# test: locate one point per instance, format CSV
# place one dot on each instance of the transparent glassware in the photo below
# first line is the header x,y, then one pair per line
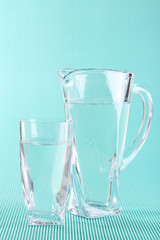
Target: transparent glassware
x,y
45,163
98,101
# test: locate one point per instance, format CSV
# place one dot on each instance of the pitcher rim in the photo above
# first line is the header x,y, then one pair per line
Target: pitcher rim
x,y
71,70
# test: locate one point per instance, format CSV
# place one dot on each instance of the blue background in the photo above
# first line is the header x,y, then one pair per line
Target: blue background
x,y
38,37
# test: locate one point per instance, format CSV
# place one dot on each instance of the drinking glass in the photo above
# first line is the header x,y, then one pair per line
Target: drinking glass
x,y
45,163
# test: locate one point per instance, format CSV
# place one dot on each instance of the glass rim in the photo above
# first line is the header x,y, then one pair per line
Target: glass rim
x,y
44,121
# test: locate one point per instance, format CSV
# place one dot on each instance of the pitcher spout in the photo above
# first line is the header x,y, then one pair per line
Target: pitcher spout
x,y
63,73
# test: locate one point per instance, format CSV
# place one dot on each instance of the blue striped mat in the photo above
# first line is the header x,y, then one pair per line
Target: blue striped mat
x,y
140,218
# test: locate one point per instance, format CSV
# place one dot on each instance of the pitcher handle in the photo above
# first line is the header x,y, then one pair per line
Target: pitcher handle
x,y
142,134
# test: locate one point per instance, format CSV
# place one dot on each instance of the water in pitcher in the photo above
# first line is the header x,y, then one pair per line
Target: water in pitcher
x,y
100,133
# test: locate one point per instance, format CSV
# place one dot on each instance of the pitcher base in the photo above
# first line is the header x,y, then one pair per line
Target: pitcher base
x,y
94,211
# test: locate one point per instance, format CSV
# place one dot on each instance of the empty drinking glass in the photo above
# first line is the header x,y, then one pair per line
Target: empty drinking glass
x,y
46,156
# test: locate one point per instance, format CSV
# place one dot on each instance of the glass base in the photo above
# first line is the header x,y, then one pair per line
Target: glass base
x,y
37,218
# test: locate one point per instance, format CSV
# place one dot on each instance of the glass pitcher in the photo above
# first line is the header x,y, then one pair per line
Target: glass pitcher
x,y
98,101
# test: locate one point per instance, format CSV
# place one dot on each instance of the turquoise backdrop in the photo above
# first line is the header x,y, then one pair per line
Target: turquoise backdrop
x,y
38,37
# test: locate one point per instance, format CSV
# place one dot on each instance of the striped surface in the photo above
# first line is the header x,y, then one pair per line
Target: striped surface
x,y
139,219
